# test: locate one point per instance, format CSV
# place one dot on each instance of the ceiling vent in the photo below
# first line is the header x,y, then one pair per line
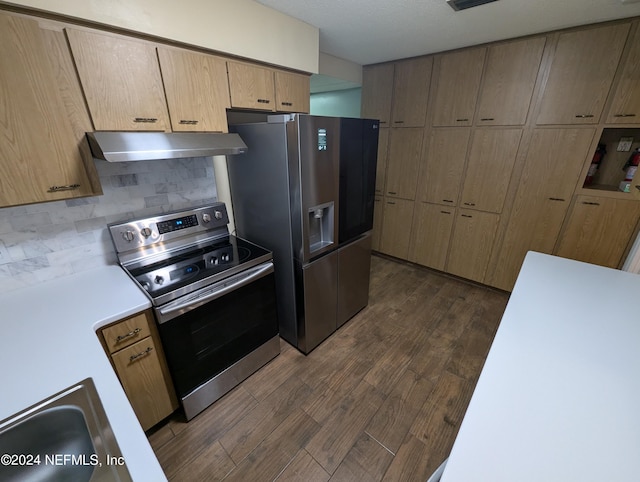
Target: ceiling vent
x,y
464,4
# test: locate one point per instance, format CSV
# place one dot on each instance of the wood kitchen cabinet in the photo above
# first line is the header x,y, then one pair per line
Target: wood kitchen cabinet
x,y
508,81
598,230
432,225
471,244
136,354
625,106
381,162
396,227
489,167
442,165
196,88
405,146
582,70
43,153
251,86
121,81
292,92
457,78
552,167
378,207
377,89
411,92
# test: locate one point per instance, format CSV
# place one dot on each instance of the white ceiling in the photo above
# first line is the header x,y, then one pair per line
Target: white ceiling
x,y
371,31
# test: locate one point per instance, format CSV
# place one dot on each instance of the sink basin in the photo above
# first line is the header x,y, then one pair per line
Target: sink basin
x,y
65,437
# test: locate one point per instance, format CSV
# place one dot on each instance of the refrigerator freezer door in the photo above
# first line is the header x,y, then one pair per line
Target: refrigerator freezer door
x,y
320,301
354,265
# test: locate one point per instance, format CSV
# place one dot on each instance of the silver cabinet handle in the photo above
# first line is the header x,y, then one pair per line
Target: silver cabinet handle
x,y
466,216
138,355
462,120
590,203
263,101
487,119
556,199
447,200
469,204
119,338
584,116
188,122
624,115
398,122
445,212
68,187
288,104
391,192
145,120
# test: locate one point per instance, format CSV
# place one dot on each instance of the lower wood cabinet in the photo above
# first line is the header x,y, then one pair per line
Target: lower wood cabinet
x,y
471,244
138,359
396,229
598,230
378,207
431,234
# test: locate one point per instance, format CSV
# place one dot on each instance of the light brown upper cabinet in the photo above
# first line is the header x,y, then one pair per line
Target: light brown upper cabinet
x,y
411,92
377,88
403,162
471,244
121,81
196,88
491,160
508,82
625,108
442,165
457,80
43,153
381,163
292,92
598,230
582,70
553,164
251,87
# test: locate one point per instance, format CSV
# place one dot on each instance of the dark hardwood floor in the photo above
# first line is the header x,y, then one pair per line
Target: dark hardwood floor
x,y
381,399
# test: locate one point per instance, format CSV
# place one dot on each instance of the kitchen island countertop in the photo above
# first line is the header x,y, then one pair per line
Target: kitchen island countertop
x,y
48,342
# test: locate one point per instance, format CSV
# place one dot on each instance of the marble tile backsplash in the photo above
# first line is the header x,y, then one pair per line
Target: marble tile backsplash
x,y
40,242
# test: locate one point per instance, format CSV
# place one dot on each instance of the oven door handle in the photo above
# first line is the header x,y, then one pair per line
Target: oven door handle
x,y
212,293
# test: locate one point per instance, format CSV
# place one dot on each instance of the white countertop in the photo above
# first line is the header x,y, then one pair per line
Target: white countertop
x,y
48,343
558,398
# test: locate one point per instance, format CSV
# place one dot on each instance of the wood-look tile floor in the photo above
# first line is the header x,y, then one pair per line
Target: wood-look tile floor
x,y
381,399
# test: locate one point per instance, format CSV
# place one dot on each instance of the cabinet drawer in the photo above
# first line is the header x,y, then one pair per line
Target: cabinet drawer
x,y
140,371
126,332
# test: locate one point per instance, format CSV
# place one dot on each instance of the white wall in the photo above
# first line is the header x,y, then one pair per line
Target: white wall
x,y
239,27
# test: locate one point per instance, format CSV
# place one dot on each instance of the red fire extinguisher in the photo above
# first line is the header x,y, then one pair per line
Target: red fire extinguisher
x,y
595,163
632,165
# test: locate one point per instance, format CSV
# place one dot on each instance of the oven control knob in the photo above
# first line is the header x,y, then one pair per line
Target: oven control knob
x,y
159,280
206,217
218,214
128,236
146,232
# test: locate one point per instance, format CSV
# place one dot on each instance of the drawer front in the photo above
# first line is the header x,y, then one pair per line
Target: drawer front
x,y
126,332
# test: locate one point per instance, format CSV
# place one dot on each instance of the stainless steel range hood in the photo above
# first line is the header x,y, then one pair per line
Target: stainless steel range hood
x,y
145,146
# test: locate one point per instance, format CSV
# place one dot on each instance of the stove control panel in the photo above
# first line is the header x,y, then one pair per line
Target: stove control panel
x,y
146,232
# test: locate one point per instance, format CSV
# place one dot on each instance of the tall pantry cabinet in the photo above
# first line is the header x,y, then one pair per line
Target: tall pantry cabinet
x,y
509,133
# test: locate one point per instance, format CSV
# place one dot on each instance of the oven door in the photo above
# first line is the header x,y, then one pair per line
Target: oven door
x,y
206,332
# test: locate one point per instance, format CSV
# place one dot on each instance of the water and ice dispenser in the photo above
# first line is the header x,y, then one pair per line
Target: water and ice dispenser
x,y
320,223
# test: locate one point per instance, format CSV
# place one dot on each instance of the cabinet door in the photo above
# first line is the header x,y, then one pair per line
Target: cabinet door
x,y
396,227
625,108
404,158
598,230
442,166
456,89
43,116
431,233
508,82
121,81
378,207
140,372
292,92
381,162
411,92
491,159
471,244
377,91
197,90
581,73
251,87
552,167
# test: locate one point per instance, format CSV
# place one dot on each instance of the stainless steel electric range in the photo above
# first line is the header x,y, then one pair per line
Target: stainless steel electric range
x,y
213,295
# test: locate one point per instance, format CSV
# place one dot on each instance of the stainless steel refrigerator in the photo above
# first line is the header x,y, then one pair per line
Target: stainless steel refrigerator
x,y
305,191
